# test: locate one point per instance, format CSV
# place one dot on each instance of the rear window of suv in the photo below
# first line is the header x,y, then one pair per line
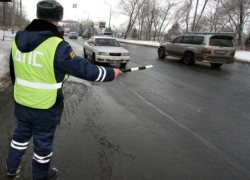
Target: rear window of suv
x,y
221,41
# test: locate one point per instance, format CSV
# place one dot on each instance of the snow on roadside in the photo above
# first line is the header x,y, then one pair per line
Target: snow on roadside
x,y
242,56
5,47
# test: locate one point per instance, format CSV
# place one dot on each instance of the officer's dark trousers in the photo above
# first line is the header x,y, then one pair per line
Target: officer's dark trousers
x,y
43,142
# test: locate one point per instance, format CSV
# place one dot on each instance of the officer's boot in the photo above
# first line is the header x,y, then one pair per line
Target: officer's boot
x,y
51,174
13,174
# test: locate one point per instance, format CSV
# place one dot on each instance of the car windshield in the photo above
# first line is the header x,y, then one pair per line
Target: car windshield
x,y
106,42
223,42
74,33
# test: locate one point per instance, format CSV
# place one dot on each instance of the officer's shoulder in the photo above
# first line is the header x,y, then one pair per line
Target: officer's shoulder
x,y
66,41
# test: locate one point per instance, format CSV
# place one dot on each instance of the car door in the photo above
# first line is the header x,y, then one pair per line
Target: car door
x,y
172,48
184,45
89,47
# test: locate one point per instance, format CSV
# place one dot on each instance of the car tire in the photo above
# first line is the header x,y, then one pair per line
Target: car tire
x,y
123,64
85,55
93,58
216,65
188,58
161,53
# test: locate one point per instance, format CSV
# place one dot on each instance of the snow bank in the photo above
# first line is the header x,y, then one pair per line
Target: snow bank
x,y
5,47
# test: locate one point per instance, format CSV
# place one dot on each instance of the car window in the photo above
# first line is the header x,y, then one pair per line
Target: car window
x,y
106,42
107,33
197,40
219,41
186,40
177,40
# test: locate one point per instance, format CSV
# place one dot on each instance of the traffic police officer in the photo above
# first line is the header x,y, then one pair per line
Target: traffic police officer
x,y
40,61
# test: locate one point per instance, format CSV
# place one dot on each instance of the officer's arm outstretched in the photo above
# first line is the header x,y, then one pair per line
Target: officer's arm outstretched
x,y
67,62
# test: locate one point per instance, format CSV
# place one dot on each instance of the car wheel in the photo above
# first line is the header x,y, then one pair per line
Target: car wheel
x,y
85,55
123,64
188,58
161,53
216,65
93,58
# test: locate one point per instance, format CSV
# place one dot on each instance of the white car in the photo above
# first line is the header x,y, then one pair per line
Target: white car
x,y
105,50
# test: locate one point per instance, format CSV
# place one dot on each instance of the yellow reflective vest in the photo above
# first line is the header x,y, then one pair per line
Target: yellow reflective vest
x,y
35,83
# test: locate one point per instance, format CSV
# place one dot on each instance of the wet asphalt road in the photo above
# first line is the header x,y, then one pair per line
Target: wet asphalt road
x,y
171,122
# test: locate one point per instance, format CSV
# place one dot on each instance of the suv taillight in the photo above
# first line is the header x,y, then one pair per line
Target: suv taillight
x,y
232,54
206,51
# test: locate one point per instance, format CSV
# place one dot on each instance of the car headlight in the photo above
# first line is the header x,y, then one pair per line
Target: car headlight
x,y
103,53
125,54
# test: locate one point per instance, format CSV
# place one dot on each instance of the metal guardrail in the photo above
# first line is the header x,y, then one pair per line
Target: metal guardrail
x,y
5,35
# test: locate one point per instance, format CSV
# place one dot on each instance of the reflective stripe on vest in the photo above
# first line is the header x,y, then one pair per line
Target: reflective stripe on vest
x,y
35,84
38,85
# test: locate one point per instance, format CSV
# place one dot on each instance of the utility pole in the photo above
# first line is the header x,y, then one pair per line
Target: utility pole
x,y
193,28
21,12
13,16
109,12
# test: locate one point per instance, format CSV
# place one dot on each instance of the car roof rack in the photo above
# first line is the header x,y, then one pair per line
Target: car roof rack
x,y
233,34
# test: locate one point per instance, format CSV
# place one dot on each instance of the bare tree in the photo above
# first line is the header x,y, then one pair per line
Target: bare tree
x,y
238,12
131,8
6,9
166,16
19,14
141,19
214,18
187,7
150,18
204,6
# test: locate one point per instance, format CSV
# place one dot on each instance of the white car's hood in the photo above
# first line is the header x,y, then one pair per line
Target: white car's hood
x,y
110,49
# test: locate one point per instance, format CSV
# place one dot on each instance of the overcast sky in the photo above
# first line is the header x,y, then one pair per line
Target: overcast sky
x,y
97,10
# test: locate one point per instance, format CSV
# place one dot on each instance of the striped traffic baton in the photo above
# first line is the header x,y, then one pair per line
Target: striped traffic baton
x,y
136,68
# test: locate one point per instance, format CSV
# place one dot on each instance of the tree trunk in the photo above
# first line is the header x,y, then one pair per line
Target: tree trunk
x,y
240,40
4,13
200,15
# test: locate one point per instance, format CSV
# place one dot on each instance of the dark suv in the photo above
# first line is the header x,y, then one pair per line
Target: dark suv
x,y
215,49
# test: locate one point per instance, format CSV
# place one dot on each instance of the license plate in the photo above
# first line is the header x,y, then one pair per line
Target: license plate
x,y
220,52
115,58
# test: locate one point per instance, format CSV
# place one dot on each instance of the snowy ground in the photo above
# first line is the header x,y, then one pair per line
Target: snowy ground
x,y
5,47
